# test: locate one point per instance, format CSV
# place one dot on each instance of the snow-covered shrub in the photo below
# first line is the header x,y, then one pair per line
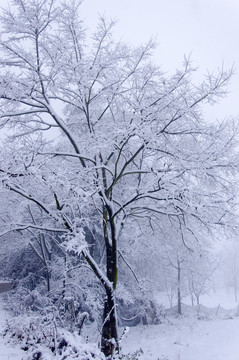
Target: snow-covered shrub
x,y
21,264
28,331
67,312
130,356
140,311
43,340
23,300
72,313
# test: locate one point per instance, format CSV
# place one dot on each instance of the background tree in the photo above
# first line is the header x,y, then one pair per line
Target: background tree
x,y
230,265
200,276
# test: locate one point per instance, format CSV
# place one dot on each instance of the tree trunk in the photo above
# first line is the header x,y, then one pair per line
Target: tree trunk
x,y
235,288
179,290
48,280
192,300
179,302
191,291
235,277
63,293
109,337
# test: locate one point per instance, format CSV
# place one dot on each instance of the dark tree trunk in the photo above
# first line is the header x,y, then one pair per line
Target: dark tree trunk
x,y
63,293
48,280
109,338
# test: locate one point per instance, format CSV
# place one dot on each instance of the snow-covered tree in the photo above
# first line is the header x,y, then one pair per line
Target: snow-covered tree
x,y
200,275
132,142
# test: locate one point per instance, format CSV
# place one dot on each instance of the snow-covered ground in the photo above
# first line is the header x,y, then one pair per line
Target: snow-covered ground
x,y
188,338
185,338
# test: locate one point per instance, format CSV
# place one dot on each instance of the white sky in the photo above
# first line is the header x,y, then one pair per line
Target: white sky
x,y
208,29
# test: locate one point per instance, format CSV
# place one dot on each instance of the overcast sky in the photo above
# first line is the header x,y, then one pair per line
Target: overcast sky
x,y
206,29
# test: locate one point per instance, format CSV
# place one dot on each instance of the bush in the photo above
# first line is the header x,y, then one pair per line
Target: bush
x,y
41,339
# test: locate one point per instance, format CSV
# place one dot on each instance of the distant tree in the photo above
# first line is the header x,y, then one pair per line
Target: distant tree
x,y
174,257
230,265
186,261
132,142
200,276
